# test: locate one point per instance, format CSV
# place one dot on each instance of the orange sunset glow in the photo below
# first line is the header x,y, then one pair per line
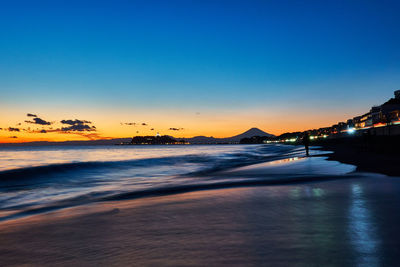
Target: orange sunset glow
x,y
174,124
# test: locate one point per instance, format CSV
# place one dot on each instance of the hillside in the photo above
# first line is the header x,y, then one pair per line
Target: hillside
x,y
233,139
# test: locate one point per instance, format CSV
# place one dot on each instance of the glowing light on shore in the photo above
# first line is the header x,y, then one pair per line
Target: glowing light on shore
x,y
381,124
351,130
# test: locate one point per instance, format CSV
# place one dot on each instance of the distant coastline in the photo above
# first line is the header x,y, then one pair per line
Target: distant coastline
x,y
383,120
197,140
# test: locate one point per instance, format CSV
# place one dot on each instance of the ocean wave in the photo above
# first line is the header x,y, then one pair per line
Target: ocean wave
x,y
28,172
22,211
212,163
52,186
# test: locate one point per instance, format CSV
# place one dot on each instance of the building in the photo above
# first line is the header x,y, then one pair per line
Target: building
x,y
376,115
350,123
397,94
342,126
383,119
366,120
357,122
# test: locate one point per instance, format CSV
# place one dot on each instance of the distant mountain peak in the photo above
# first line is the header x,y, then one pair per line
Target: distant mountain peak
x,y
250,133
255,130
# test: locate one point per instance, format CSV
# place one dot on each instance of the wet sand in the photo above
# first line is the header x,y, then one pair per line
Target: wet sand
x,y
344,222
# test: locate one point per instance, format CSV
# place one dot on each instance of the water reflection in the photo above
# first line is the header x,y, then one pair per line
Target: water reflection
x,y
277,162
362,229
306,191
297,166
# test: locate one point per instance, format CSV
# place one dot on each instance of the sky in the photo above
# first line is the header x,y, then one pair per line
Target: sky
x,y
109,69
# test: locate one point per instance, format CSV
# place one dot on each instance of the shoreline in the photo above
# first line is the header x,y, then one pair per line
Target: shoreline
x,y
378,156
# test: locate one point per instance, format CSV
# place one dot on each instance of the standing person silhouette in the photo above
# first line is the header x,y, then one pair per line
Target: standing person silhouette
x,y
306,142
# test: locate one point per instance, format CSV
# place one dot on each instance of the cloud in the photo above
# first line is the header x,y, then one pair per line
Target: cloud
x,y
13,136
72,126
74,122
67,130
79,128
39,121
134,123
175,129
152,129
11,129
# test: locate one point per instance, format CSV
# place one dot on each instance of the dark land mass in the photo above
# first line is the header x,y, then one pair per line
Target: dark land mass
x,y
378,154
155,140
228,140
193,140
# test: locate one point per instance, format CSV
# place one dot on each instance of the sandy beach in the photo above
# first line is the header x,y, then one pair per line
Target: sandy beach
x,y
344,222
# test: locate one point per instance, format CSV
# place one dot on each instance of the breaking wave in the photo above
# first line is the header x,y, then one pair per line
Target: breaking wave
x,y
30,190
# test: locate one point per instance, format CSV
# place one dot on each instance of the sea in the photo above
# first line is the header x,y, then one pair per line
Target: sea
x,y
40,179
193,205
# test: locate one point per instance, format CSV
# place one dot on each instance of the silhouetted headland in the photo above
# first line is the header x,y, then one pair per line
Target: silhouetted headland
x,y
155,140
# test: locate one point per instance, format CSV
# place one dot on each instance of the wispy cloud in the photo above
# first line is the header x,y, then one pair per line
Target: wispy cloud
x,y
91,136
31,115
75,122
11,129
134,123
79,128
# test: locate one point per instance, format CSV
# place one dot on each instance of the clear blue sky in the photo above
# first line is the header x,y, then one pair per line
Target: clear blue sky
x,y
197,55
